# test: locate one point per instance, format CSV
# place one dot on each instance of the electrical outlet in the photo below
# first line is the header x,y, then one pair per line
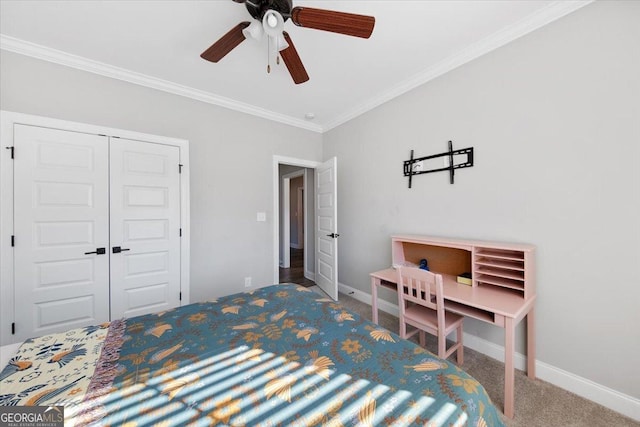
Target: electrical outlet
x,y
247,282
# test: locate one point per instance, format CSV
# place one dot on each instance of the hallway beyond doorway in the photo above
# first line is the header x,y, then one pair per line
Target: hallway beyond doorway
x,y
295,274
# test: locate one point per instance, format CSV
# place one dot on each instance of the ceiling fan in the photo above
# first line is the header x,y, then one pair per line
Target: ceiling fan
x,y
269,18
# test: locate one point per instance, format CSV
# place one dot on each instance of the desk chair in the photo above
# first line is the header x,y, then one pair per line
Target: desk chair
x,y
421,303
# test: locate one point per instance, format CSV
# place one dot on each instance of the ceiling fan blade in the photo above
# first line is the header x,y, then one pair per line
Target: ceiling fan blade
x,y
336,22
293,62
225,44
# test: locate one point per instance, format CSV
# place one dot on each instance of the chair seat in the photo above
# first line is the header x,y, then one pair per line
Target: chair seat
x,y
429,317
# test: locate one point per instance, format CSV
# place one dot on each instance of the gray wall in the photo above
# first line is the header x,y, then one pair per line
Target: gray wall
x,y
554,118
231,157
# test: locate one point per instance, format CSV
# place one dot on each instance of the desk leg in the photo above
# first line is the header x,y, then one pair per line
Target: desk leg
x,y
531,344
374,300
509,378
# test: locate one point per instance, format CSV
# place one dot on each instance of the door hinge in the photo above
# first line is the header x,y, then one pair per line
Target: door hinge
x,y
13,329
180,296
179,168
13,151
181,232
13,241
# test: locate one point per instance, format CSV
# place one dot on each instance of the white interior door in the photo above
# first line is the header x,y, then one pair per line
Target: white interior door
x,y
61,216
145,226
327,228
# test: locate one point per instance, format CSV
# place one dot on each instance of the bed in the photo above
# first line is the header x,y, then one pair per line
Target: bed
x,y
279,355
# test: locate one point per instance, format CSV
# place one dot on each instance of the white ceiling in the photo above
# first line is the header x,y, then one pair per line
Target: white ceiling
x,y
158,44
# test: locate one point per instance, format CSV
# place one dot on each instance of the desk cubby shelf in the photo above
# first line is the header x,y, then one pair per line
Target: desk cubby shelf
x,y
503,267
494,262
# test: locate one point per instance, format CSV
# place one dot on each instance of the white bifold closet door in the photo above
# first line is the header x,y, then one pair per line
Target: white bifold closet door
x,y
97,229
61,215
145,225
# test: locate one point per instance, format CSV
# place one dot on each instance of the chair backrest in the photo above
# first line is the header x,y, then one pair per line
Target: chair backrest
x,y
419,287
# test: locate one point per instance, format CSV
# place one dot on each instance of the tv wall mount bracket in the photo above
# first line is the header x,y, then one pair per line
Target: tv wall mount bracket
x,y
410,169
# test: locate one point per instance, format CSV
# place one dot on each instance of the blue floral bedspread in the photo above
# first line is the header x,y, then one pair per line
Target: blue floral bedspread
x,y
280,355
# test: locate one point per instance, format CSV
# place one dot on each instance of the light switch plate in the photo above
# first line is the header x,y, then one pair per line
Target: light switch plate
x,y
261,217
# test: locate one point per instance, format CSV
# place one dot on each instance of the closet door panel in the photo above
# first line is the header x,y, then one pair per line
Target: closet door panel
x,y
60,213
145,225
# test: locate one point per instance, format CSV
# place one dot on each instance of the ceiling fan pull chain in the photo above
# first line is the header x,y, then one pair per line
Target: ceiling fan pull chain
x,y
268,55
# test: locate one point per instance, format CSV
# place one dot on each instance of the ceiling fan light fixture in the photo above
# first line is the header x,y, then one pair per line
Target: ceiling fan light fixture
x,y
273,23
254,31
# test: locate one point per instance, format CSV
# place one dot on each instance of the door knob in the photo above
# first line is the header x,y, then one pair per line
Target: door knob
x,y
333,235
118,249
98,251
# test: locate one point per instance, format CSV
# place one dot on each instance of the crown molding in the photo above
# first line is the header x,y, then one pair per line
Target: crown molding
x,y
44,53
544,16
536,20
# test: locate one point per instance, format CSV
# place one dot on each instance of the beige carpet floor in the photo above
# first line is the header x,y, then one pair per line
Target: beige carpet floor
x,y
538,403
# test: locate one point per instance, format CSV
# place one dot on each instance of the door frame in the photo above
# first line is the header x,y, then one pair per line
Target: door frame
x,y
291,161
7,121
286,216
301,209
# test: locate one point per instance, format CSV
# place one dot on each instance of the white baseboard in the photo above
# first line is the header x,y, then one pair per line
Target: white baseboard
x,y
364,297
612,399
310,275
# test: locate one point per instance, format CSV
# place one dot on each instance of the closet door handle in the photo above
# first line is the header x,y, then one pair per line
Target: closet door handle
x,y
118,249
98,251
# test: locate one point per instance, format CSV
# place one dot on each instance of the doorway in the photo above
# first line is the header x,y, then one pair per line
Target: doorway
x,y
320,219
297,258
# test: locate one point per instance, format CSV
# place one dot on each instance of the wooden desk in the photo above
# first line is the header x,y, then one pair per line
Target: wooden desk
x,y
496,305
